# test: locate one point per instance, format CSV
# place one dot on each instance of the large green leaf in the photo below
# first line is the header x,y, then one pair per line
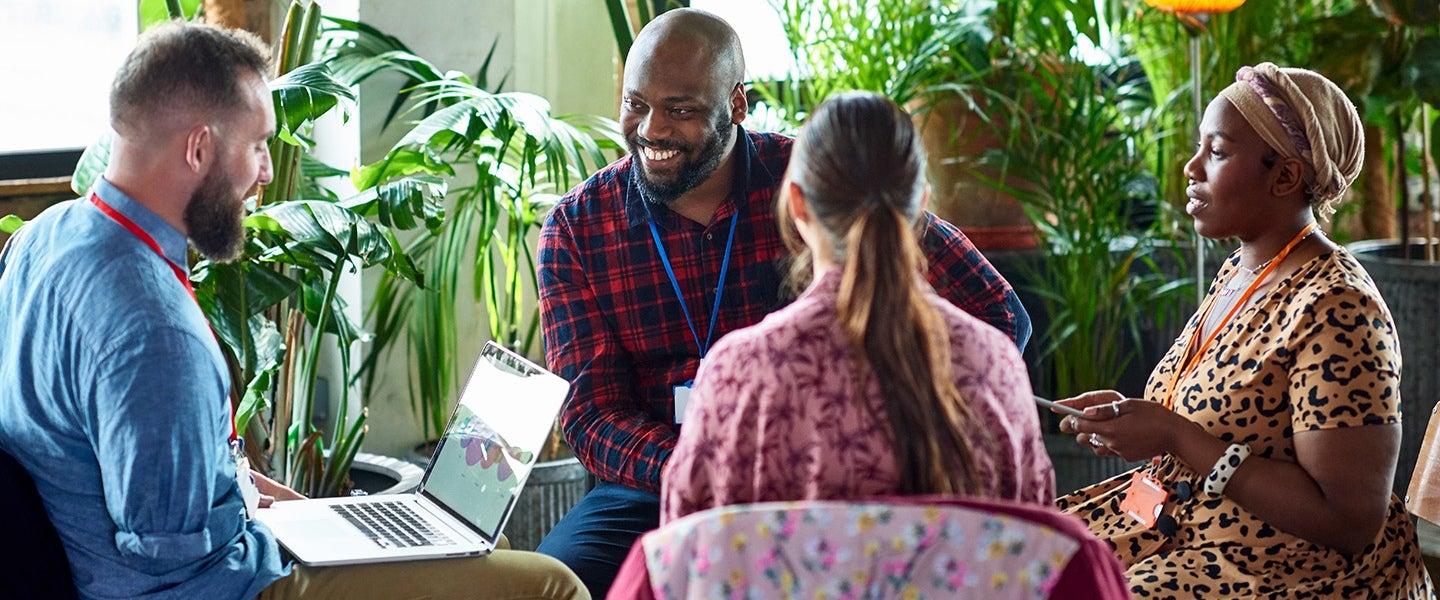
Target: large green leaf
x,y
1355,60
356,51
1421,69
1435,139
337,321
401,162
1414,13
92,163
234,295
620,26
306,93
260,287
475,113
404,202
320,233
269,351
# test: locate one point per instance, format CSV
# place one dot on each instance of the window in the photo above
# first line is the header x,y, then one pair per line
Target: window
x,y
60,59
762,38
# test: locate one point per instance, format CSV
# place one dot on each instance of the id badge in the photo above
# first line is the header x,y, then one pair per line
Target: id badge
x,y
682,400
248,491
1145,499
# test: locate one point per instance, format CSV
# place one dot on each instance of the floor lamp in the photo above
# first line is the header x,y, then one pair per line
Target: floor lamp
x,y
1193,14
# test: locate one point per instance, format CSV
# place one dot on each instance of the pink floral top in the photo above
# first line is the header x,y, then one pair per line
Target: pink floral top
x,y
773,416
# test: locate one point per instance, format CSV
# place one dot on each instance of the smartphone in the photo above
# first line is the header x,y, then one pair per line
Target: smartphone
x,y
1064,409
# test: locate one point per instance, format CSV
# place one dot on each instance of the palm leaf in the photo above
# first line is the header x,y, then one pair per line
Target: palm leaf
x,y
403,203
306,93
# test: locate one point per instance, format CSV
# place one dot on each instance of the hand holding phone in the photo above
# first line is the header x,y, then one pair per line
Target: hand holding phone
x,y
1061,408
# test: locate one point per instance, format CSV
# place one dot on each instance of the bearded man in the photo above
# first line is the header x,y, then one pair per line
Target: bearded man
x,y
114,396
644,265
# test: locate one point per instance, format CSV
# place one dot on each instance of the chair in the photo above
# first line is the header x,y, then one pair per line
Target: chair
x,y
900,547
36,566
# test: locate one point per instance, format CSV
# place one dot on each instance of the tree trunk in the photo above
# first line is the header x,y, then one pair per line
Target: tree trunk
x,y
225,13
251,15
1377,208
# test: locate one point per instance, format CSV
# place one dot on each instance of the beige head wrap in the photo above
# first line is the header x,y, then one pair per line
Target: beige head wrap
x,y
1302,114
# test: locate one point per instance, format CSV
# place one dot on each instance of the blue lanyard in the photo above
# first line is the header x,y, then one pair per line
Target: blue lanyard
x,y
719,288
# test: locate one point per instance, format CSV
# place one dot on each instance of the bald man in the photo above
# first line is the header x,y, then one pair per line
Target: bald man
x,y
647,263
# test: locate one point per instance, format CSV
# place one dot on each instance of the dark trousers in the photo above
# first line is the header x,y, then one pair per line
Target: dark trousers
x,y
596,535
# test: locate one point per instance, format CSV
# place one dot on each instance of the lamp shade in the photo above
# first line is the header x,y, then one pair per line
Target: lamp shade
x,y
1196,6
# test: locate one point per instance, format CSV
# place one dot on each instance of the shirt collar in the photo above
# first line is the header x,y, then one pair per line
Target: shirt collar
x,y
170,239
750,174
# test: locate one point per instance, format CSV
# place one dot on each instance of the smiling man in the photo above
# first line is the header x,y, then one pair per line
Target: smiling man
x,y
652,259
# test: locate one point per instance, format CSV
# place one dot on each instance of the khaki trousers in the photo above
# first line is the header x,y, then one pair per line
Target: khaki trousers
x,y
502,575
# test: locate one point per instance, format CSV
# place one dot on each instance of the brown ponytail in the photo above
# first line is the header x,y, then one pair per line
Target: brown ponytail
x,y
859,164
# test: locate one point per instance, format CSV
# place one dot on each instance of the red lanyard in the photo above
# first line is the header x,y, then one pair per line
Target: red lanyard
x,y
1194,359
145,238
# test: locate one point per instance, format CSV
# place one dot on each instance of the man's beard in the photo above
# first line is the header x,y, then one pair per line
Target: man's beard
x,y
691,173
214,218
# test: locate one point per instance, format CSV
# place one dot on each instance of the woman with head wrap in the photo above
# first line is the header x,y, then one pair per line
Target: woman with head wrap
x,y
1272,426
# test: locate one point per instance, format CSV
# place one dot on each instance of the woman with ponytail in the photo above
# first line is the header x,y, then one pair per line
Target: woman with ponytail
x,y
868,384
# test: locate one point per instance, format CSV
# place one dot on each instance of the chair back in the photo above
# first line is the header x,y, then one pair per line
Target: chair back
x,y
891,548
36,566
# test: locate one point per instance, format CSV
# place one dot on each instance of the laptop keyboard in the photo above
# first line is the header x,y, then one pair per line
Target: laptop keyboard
x,y
392,524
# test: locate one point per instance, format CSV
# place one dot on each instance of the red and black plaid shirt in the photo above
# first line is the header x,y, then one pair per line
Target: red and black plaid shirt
x,y
615,330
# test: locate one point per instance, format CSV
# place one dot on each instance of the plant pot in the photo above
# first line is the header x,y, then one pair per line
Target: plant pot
x,y
1410,288
953,134
377,475
420,454
551,490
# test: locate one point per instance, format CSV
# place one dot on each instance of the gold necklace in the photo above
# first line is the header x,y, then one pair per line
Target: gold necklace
x,y
1255,272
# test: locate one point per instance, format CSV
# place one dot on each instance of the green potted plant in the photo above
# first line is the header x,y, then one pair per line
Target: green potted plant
x,y
1077,162
926,55
506,159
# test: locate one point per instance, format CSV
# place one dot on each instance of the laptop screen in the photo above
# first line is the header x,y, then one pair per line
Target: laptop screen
x,y
494,438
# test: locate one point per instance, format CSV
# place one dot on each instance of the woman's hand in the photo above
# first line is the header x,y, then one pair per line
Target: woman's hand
x,y
1117,426
272,491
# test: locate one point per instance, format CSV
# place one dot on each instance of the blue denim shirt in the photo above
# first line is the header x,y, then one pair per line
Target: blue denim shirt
x,y
114,396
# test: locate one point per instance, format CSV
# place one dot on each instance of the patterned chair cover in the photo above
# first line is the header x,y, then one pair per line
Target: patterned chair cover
x,y
852,550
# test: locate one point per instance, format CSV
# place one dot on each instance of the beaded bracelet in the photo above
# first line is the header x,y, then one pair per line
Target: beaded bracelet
x,y
1225,468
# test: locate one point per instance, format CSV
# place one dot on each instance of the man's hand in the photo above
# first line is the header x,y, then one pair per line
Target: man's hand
x,y
272,491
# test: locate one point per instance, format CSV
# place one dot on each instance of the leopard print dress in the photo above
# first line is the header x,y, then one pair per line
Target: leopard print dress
x,y
1318,351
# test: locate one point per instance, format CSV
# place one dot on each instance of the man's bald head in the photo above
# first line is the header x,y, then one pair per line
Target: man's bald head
x,y
684,93
683,34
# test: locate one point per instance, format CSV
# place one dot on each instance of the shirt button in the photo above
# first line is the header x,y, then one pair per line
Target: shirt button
x,y
709,236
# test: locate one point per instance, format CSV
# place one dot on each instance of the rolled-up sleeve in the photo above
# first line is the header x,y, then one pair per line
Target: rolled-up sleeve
x,y
161,421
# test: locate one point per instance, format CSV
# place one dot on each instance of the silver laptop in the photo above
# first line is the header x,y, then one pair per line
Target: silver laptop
x,y
492,441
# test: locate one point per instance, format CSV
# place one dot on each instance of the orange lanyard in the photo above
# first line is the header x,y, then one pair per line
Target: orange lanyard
x,y
1194,359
